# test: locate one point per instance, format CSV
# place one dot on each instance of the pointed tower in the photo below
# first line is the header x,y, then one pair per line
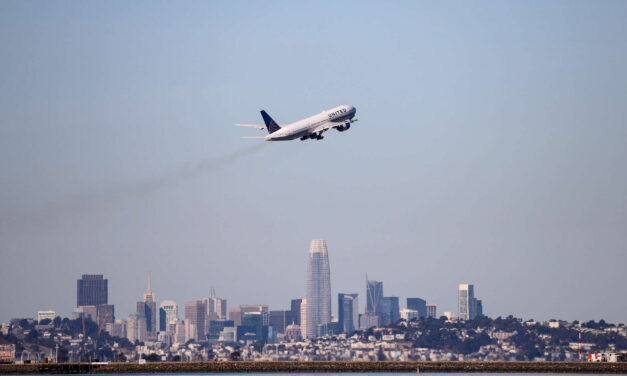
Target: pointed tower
x,y
148,295
318,308
148,308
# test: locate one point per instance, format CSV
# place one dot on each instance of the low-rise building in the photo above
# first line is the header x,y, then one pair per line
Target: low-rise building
x,y
43,315
409,314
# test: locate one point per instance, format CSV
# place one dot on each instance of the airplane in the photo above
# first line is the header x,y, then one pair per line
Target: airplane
x,y
340,118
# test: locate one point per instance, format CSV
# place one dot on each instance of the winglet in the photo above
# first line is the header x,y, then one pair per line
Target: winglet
x,y
271,125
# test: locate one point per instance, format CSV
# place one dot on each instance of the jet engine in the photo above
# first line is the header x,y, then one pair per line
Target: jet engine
x,y
344,127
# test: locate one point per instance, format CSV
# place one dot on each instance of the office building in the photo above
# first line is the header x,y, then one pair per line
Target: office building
x,y
432,311
98,314
45,315
374,294
177,327
271,337
368,320
221,308
216,307
136,328
303,318
236,313
208,319
88,312
409,314
195,312
147,308
295,311
469,306
262,309
151,309
191,331
105,314
145,311
390,312
229,334
131,328
116,329
91,290
318,287
168,312
328,329
279,320
248,333
348,312
216,327
252,319
252,328
465,302
419,305
211,315
166,338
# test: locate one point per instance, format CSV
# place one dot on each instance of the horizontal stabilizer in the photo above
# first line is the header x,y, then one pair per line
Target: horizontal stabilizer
x,y
258,126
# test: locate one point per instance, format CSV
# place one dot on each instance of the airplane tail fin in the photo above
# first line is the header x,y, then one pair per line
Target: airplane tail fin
x,y
271,125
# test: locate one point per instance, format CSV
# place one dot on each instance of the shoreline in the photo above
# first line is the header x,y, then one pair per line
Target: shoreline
x,y
315,366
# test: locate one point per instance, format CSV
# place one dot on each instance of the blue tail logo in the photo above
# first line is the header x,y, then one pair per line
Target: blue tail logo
x,y
271,125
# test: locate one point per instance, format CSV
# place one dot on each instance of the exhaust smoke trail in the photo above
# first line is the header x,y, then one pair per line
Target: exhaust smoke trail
x,y
71,206
186,172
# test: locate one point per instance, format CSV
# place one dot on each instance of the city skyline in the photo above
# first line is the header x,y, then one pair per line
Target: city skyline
x,y
319,312
148,321
205,318
149,297
205,324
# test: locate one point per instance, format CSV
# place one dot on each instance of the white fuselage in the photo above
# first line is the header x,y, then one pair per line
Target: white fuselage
x,y
309,126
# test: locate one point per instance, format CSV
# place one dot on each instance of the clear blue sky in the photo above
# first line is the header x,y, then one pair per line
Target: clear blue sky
x,y
490,149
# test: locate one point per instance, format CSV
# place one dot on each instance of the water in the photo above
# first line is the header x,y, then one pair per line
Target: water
x,y
357,373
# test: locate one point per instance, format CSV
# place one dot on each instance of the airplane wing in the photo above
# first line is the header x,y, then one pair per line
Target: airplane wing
x,y
328,125
258,126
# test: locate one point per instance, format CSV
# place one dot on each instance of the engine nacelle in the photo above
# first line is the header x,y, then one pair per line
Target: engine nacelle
x,y
344,127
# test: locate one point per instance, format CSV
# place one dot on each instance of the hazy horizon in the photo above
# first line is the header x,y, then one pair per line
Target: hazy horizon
x,y
490,149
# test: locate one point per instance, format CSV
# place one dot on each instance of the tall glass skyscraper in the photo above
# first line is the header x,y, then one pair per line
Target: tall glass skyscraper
x,y
469,306
374,294
318,309
347,312
390,312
